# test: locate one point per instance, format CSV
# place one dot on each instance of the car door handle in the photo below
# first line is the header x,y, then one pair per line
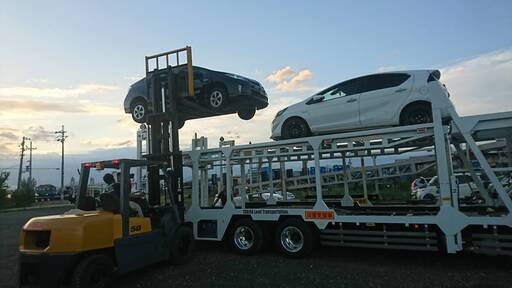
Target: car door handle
x,y
351,100
400,90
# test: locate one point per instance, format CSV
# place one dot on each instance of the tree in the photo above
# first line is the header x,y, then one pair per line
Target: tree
x,y
25,195
3,188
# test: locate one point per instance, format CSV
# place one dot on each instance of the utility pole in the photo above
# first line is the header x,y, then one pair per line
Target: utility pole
x,y
21,161
30,161
61,137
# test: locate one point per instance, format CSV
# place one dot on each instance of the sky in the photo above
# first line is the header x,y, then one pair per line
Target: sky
x,y
71,62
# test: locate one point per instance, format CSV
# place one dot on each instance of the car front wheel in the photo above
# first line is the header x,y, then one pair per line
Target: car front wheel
x,y
295,128
139,111
247,114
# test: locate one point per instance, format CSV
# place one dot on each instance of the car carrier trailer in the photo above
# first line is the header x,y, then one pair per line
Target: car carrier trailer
x,y
448,226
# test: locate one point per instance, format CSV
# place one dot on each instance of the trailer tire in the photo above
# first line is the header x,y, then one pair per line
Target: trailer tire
x,y
181,245
245,237
94,271
294,238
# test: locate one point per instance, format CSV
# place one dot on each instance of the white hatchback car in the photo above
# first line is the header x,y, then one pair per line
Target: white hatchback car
x,y
378,100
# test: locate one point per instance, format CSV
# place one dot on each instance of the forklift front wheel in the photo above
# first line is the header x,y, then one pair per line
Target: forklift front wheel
x,y
94,271
181,246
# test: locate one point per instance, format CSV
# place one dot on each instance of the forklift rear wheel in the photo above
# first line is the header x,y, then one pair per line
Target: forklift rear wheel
x,y
247,114
246,237
94,271
181,246
294,238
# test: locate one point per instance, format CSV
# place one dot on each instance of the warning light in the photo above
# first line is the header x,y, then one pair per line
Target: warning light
x,y
88,165
116,162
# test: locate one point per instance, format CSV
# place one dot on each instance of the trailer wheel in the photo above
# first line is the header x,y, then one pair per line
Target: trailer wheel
x,y
181,246
294,238
95,271
246,237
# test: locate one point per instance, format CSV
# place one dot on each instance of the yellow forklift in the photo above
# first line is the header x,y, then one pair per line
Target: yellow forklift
x,y
103,236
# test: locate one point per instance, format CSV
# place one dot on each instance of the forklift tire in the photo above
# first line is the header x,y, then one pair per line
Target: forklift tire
x,y
181,246
294,238
245,237
94,271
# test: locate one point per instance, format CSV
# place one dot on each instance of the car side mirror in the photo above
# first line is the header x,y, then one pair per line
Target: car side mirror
x,y
316,99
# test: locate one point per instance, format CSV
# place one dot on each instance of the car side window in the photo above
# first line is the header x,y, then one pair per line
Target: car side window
x,y
383,81
343,89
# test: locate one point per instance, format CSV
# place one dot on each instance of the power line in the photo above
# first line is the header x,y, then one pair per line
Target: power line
x,y
30,161
21,161
61,137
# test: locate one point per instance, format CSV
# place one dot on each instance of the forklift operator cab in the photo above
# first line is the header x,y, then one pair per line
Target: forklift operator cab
x,y
84,246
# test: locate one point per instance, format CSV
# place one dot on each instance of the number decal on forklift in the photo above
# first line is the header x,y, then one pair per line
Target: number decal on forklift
x,y
135,228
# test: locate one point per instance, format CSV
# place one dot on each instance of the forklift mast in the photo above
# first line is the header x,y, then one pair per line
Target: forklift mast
x,y
163,124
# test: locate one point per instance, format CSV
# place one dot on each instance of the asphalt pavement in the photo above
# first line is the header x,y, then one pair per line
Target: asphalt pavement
x,y
213,265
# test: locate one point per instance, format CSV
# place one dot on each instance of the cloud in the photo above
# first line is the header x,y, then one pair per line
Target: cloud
x,y
280,75
287,80
481,84
39,133
108,143
8,135
37,106
6,150
34,92
127,122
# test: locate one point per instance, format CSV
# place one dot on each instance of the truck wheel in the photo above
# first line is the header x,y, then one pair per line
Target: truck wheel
x,y
294,238
181,246
95,271
246,237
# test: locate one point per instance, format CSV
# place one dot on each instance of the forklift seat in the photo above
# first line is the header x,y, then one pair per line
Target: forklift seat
x,y
109,202
88,204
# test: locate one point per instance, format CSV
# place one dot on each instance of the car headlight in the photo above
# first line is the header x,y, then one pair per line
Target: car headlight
x,y
281,112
